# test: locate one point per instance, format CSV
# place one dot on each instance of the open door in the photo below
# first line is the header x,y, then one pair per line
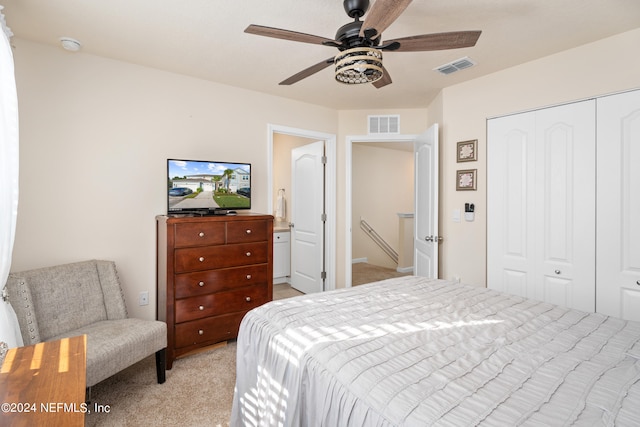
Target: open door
x,y
425,259
307,218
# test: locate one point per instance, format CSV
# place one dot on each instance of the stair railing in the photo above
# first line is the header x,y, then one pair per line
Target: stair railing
x,y
387,249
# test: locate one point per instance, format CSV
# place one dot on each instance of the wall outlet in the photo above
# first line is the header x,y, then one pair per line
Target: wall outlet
x,y
143,299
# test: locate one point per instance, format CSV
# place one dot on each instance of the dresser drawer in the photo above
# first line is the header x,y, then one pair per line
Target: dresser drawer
x,y
212,257
199,233
208,281
243,299
209,330
247,231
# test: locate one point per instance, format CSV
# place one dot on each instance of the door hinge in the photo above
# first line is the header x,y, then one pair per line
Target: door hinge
x,y
324,160
323,217
323,275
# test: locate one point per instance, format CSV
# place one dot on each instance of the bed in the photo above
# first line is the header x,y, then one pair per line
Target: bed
x,y
412,351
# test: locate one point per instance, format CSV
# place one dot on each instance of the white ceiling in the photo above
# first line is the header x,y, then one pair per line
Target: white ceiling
x,y
206,39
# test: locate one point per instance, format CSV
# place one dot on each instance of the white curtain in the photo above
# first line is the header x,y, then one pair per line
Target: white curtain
x,y
9,329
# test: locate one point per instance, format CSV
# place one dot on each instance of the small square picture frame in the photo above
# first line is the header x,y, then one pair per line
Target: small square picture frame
x,y
466,179
467,151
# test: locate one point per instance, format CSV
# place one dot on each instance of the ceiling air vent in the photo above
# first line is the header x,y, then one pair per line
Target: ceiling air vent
x,y
384,124
457,65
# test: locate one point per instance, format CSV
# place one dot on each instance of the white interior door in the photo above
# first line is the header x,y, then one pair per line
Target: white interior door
x,y
566,204
425,259
618,231
510,204
307,212
541,205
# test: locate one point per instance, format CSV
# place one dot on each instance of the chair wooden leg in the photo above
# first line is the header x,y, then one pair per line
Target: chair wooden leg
x,y
161,365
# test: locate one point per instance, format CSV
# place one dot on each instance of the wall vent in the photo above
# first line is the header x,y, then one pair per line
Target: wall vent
x,y
457,65
384,124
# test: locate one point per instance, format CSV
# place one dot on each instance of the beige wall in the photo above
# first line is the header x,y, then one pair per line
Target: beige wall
x,y
382,186
599,68
94,138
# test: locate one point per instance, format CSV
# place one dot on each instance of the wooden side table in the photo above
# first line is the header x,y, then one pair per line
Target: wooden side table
x,y
44,384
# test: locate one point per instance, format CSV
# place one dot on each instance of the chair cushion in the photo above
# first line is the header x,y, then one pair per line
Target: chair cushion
x,y
113,345
66,297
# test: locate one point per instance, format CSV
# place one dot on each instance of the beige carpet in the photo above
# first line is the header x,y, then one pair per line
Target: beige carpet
x,y
363,272
198,392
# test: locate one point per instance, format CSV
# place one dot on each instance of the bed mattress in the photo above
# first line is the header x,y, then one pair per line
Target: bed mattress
x,y
417,352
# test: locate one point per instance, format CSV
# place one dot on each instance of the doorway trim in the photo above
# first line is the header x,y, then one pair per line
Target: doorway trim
x,y
330,190
350,140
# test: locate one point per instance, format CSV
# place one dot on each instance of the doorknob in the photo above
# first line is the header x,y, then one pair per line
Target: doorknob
x,y
433,238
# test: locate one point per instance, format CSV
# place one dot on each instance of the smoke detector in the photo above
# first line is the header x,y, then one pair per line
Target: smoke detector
x,y
72,45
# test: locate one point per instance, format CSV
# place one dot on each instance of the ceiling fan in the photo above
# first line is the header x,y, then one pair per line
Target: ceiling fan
x,y
360,45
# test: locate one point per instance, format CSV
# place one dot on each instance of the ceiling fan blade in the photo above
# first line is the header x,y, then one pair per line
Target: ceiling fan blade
x,y
308,72
437,41
385,80
382,14
286,34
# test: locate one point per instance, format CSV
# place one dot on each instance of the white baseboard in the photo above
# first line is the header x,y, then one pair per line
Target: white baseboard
x,y
278,280
405,269
359,260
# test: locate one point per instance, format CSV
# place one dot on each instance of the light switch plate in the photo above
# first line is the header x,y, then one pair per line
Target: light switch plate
x,y
456,215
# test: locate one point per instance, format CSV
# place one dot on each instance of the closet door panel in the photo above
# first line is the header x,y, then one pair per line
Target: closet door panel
x,y
541,205
565,202
618,230
510,204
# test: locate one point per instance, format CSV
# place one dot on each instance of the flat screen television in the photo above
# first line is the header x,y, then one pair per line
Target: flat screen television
x,y
207,187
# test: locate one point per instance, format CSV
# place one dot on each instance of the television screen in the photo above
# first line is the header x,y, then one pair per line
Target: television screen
x,y
207,187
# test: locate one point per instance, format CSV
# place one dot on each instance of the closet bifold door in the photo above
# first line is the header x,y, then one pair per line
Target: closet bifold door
x,y
618,192
510,204
541,205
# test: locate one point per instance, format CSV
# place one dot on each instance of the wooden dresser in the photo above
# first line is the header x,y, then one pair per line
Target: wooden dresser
x,y
211,271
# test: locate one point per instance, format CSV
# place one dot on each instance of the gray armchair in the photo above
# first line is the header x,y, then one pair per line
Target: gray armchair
x,y
85,298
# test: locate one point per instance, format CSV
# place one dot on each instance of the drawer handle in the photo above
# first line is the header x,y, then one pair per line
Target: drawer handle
x,y
201,234
248,299
248,231
200,332
201,259
557,271
249,277
248,253
201,307
201,284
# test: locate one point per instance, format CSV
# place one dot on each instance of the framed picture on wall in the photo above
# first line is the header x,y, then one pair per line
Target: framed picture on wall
x,y
466,179
467,151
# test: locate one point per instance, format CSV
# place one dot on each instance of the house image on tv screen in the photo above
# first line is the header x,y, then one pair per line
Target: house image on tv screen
x,y
234,183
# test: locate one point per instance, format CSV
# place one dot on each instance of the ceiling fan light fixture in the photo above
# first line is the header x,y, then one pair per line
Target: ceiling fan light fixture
x,y
358,65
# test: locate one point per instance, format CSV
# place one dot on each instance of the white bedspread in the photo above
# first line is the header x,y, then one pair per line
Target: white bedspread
x,y
419,352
